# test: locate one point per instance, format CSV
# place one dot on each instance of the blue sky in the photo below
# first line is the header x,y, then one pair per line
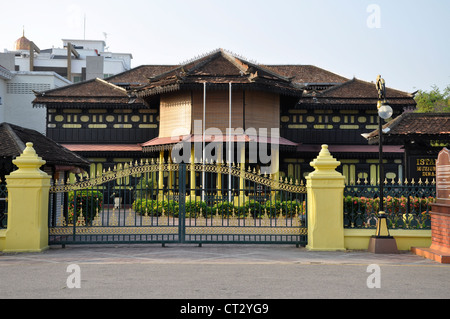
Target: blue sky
x,y
407,42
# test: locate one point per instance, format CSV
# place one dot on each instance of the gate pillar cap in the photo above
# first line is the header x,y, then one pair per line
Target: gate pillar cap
x,y
325,163
29,162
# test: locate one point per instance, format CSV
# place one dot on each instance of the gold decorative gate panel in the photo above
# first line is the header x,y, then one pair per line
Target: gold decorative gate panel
x,y
165,203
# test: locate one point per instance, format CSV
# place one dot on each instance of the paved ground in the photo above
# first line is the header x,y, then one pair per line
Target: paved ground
x,y
219,272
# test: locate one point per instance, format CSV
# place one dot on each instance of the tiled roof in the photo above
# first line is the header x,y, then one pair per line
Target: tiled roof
x,y
15,137
356,91
139,75
92,91
415,124
307,74
111,90
219,69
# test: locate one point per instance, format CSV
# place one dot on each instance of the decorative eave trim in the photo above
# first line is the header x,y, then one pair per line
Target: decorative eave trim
x,y
158,148
157,90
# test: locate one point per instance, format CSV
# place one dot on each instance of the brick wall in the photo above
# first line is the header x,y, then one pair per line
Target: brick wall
x,y
440,230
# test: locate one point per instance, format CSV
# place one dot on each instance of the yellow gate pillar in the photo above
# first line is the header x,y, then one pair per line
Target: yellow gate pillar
x,y
325,204
28,191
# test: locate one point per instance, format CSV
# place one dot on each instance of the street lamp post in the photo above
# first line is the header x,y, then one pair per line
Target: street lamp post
x,y
382,242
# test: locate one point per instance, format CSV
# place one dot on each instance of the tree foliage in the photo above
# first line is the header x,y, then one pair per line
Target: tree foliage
x,y
433,101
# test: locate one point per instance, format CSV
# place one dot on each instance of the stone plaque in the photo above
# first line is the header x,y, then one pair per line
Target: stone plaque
x,y
443,177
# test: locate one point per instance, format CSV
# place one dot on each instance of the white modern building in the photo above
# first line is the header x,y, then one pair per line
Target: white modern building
x,y
17,92
27,69
77,60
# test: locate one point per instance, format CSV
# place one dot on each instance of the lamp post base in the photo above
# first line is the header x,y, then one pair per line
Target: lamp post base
x,y
383,245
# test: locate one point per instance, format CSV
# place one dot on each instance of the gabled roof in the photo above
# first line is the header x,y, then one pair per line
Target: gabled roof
x,y
14,139
219,69
92,91
356,91
307,74
430,125
138,76
112,90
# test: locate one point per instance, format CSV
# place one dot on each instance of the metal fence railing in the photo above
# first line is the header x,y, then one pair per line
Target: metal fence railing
x,y
407,205
3,206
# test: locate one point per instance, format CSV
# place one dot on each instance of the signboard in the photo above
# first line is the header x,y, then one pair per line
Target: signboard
x,y
422,167
443,177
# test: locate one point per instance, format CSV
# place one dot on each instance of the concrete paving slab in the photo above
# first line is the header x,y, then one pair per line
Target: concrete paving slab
x,y
207,254
218,272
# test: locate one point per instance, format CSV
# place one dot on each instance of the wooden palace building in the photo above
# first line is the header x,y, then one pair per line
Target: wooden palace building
x,y
283,113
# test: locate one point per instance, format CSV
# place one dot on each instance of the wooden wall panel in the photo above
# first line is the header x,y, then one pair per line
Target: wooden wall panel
x,y
175,114
217,109
262,110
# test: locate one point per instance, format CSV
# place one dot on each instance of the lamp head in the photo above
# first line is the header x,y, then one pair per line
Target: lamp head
x,y
385,111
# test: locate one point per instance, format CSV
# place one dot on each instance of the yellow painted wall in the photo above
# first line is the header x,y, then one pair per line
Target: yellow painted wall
x,y
358,239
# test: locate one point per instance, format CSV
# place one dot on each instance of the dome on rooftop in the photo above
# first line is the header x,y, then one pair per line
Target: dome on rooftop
x,y
22,43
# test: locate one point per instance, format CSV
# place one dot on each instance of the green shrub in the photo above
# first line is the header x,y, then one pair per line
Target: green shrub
x,y
146,188
252,207
286,208
272,208
291,208
86,201
224,209
195,208
171,208
155,208
150,206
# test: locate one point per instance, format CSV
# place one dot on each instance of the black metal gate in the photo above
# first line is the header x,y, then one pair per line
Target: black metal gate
x,y
166,203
